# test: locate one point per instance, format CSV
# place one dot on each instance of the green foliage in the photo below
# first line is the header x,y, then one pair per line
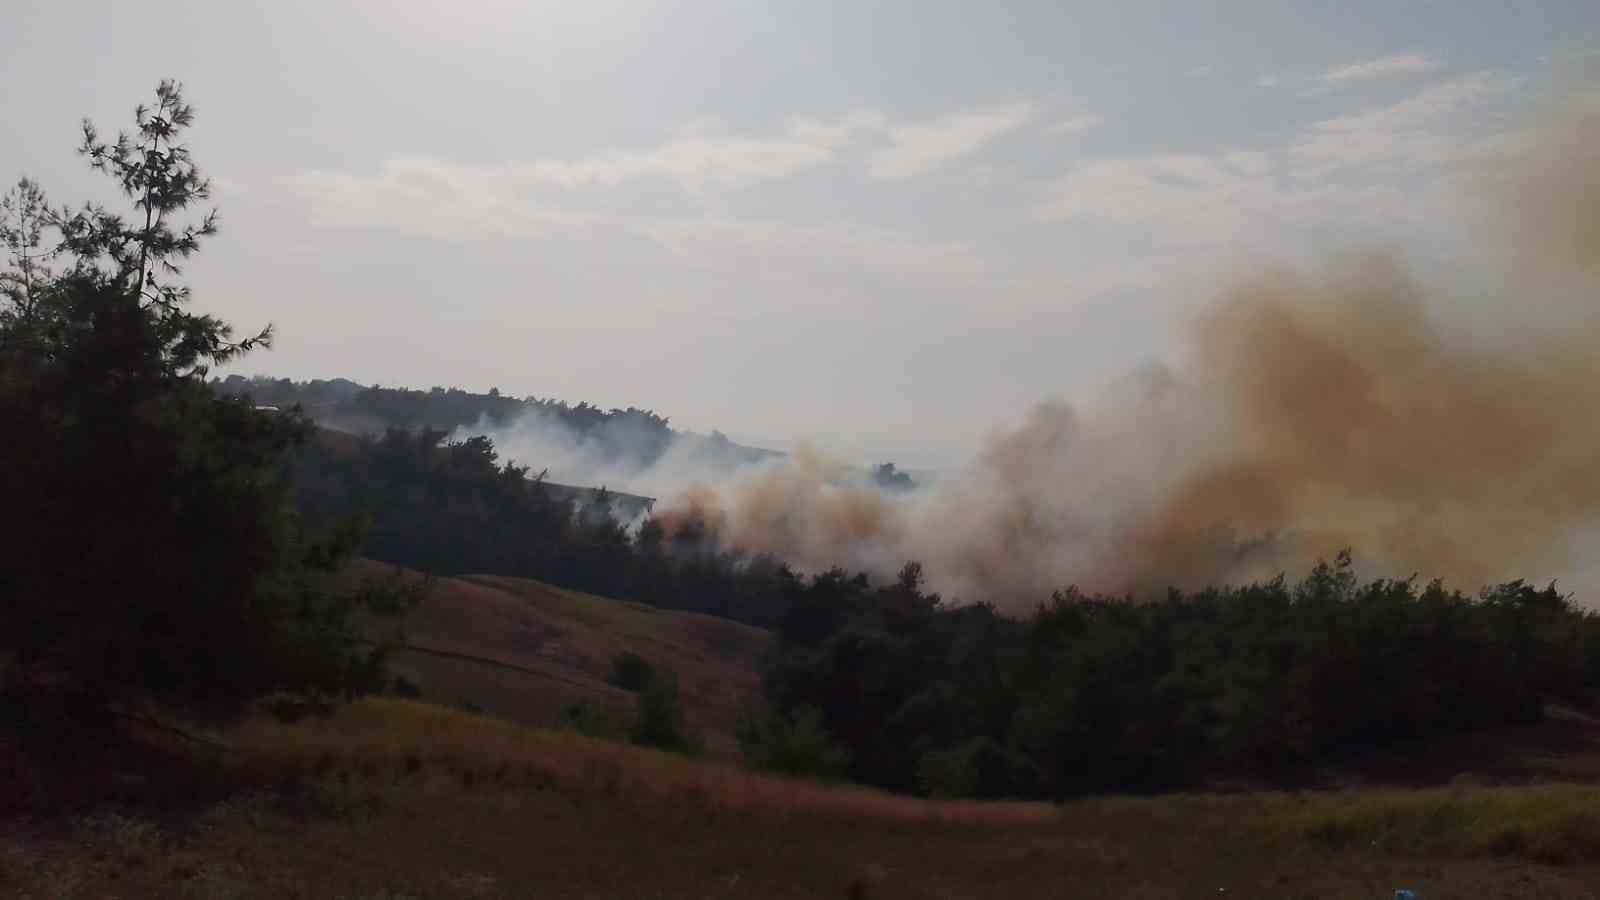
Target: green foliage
x,y
658,718
1097,693
26,221
632,672
976,767
791,744
142,257
152,552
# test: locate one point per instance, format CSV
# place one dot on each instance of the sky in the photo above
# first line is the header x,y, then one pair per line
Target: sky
x,y
887,228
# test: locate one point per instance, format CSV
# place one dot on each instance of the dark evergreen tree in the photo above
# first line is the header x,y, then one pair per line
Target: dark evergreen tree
x,y
152,554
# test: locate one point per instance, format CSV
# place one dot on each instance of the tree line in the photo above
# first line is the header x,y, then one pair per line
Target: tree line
x,y
889,686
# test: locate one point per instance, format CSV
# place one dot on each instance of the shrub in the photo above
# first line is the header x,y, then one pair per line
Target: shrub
x,y
791,744
976,768
631,672
658,720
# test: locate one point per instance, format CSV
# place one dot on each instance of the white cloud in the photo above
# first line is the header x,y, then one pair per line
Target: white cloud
x,y
1339,171
1267,81
699,157
919,149
1387,67
430,197
1075,124
1409,132
463,203
696,161
1199,72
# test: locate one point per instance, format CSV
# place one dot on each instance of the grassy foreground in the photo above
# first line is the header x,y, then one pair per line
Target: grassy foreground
x,y
396,799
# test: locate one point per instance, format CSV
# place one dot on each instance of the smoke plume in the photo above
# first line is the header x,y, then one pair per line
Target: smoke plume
x,y
1313,411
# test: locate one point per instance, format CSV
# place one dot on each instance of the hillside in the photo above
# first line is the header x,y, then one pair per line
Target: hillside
x,y
525,651
393,799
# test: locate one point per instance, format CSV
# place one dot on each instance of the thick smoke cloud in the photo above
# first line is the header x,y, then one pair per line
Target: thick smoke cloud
x,y
1342,407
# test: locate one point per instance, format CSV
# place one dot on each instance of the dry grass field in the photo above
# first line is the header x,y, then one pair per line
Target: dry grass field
x,y
554,648
399,799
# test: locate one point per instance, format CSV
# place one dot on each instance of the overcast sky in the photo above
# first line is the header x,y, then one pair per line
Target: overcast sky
x,y
889,227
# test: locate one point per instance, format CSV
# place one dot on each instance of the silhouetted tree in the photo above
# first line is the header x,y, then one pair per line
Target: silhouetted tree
x,y
151,550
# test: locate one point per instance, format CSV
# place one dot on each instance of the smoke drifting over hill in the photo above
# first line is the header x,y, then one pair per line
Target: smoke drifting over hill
x,y
1314,411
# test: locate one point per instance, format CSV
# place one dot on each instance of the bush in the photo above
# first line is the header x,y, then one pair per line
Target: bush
x,y
631,672
976,768
791,745
658,720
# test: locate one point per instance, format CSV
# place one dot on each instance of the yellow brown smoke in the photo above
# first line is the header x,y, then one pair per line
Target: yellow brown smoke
x,y
1315,411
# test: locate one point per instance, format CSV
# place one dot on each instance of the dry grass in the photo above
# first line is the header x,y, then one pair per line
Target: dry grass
x,y
1552,823
394,799
386,736
568,640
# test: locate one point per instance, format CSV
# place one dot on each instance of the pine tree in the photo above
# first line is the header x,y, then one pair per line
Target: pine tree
x,y
152,554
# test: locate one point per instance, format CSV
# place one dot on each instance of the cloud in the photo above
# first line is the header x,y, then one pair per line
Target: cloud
x,y
1199,71
1336,171
452,202
528,196
920,149
696,159
1075,124
433,198
1404,133
1267,81
1387,67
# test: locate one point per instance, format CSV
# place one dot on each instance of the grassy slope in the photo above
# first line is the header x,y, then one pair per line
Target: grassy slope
x,y
562,643
400,799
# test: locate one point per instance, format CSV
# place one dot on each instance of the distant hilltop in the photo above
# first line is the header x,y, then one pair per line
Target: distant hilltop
x,y
620,505
620,439
629,437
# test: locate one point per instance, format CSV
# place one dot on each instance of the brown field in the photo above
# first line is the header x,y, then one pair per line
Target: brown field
x,y
397,799
555,648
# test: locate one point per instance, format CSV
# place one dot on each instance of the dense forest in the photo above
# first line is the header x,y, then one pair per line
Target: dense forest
x,y
892,687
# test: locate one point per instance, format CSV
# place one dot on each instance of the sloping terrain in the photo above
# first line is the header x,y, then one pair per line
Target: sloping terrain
x,y
391,799
524,650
